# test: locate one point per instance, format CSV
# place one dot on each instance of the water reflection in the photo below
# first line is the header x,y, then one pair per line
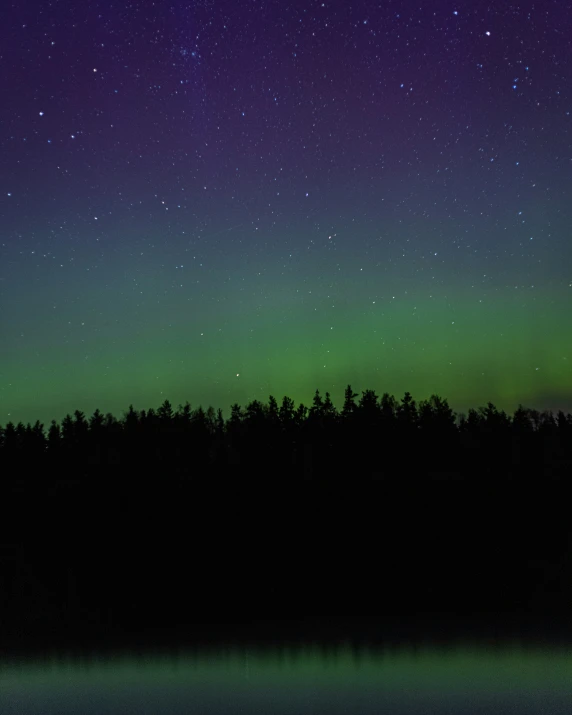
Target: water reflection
x,y
480,678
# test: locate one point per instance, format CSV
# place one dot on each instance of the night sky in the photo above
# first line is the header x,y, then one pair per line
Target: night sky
x,y
220,200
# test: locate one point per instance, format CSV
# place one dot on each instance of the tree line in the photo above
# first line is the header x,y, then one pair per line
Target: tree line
x,y
384,508
370,438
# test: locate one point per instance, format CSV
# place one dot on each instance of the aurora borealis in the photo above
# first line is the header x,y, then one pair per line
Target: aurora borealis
x,y
218,201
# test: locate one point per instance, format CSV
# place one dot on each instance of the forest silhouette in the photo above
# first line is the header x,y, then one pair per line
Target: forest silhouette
x,y
389,510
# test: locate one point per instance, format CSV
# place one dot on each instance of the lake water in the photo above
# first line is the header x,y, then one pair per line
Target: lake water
x,y
443,680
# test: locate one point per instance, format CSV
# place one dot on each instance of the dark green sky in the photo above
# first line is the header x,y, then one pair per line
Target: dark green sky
x,y
224,203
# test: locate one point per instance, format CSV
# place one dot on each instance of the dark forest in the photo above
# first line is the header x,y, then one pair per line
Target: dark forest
x,y
391,511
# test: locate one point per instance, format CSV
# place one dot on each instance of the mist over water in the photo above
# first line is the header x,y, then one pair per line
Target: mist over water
x,y
486,677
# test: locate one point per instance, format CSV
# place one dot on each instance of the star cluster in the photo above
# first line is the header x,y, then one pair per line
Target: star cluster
x,y
218,201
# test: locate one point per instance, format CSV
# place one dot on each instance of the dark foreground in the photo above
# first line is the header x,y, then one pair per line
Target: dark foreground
x,y
234,564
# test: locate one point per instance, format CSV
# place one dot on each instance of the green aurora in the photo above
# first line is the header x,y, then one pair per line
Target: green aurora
x,y
508,346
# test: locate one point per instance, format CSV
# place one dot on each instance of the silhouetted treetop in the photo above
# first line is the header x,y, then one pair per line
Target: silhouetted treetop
x,y
364,439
